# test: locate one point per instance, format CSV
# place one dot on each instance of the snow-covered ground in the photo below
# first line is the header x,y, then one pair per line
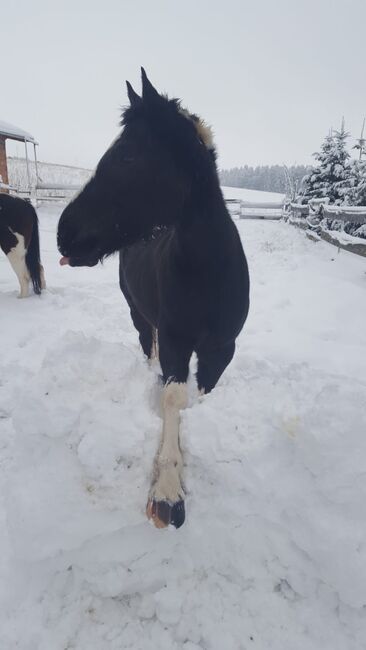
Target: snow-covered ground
x,y
273,552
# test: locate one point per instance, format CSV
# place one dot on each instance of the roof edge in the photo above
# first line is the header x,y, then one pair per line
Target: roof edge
x,y
12,132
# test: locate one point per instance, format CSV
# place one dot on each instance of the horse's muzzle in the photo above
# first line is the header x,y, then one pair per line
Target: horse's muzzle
x,y
79,261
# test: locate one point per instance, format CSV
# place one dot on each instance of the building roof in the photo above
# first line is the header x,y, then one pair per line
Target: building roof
x,y
14,133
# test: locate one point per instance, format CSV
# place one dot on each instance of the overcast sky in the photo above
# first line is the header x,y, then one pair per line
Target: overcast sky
x,y
270,76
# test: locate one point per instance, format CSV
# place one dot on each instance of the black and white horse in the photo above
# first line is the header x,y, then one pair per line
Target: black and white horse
x,y
19,240
156,198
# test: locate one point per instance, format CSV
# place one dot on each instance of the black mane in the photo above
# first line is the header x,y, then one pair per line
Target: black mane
x,y
177,129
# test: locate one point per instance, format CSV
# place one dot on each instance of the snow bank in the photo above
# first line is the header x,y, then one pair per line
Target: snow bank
x,y
273,553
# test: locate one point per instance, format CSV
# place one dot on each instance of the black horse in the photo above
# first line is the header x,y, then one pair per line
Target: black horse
x,y
19,240
156,198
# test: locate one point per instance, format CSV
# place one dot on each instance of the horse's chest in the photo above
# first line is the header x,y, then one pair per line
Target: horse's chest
x,y
192,301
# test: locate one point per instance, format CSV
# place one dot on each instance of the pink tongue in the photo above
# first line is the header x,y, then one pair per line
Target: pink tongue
x,y
64,261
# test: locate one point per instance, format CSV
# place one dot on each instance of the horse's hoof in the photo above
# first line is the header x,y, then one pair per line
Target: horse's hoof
x,y
163,513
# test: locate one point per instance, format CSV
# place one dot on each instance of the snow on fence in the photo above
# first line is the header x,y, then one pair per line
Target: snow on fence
x,y
298,210
312,218
354,214
255,209
233,206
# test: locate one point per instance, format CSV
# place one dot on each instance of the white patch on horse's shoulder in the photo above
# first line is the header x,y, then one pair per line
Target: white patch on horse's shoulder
x,y
204,131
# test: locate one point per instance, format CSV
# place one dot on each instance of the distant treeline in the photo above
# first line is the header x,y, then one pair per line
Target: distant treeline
x,y
269,178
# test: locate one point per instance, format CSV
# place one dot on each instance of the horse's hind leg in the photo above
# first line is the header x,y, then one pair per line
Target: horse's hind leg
x,y
16,257
166,499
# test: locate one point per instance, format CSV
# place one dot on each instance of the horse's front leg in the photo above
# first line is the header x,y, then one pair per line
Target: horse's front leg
x,y
166,498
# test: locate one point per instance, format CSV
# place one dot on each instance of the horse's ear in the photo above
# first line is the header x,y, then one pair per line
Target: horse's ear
x,y
148,90
134,98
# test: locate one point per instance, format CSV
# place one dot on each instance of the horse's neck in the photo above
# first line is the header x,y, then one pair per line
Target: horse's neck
x,y
204,239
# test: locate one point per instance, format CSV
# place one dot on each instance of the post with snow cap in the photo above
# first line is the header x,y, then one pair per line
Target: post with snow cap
x,y
27,162
36,161
11,132
3,165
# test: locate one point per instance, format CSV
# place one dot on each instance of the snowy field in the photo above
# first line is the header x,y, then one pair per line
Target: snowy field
x,y
273,552
251,195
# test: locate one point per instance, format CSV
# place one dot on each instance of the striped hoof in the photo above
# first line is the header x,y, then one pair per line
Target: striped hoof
x,y
163,513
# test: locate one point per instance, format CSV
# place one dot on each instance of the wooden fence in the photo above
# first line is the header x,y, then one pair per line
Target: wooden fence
x,y
353,214
307,217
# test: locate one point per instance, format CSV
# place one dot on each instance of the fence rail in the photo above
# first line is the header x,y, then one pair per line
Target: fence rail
x,y
299,210
308,217
255,210
350,213
354,214
57,186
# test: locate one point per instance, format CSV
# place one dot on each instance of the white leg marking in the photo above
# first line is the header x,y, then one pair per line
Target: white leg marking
x,y
168,465
16,258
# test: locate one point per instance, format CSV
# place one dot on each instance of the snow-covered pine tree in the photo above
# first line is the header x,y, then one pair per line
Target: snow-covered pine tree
x,y
315,184
360,198
357,182
331,177
359,170
358,185
340,190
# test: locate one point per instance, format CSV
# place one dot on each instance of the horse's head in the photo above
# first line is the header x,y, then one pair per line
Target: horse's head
x,y
145,179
